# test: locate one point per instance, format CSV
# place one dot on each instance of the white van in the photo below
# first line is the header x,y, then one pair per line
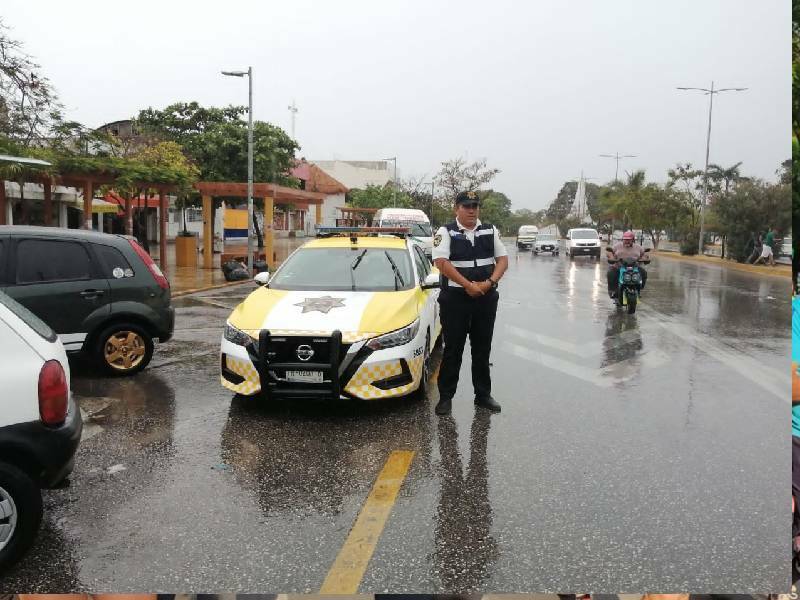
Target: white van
x,y
414,218
526,237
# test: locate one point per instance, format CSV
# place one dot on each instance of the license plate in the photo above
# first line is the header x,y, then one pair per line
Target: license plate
x,y
304,376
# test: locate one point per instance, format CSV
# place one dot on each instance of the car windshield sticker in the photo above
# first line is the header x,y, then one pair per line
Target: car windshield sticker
x,y
323,304
128,272
118,273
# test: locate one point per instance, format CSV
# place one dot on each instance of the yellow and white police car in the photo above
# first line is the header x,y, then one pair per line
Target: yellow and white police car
x,y
351,314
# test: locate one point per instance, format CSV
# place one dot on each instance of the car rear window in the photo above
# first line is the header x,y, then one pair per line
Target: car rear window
x,y
52,260
30,319
113,262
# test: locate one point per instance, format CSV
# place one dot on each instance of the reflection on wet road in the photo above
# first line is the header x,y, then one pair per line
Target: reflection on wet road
x,y
638,451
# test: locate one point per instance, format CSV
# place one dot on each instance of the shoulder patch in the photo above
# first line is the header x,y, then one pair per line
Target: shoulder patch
x,y
437,239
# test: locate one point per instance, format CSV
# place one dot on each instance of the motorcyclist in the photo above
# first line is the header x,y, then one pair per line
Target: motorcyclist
x,y
628,248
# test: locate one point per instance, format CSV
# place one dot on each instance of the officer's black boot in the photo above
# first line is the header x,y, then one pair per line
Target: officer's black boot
x,y
444,406
488,402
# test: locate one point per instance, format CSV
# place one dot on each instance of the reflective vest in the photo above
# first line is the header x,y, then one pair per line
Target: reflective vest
x,y
475,262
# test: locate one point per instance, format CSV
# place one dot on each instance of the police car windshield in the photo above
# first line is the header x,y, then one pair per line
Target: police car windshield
x,y
584,234
418,228
332,269
546,236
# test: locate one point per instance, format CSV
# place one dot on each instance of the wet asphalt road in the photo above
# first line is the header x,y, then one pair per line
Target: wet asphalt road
x,y
645,452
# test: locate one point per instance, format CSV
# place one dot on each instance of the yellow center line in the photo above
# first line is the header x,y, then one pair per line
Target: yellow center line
x,y
348,569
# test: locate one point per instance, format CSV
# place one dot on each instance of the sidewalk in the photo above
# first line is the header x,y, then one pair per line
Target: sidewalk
x,y
779,270
183,280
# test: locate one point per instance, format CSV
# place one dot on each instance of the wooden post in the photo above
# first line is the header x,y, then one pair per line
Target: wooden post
x,y
88,192
128,216
269,234
3,203
208,240
48,202
162,229
318,215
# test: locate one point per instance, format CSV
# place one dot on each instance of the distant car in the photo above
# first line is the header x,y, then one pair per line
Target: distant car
x,y
546,242
582,242
342,318
101,293
40,425
526,237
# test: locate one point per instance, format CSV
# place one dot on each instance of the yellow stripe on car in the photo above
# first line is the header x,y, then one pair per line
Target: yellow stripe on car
x,y
250,314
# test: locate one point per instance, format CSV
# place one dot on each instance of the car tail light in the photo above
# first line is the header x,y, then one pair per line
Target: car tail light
x,y
148,261
53,393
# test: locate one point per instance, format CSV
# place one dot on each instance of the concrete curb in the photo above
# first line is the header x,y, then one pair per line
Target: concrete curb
x,y
776,271
210,287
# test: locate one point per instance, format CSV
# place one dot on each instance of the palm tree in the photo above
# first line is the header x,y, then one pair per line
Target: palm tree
x,y
728,176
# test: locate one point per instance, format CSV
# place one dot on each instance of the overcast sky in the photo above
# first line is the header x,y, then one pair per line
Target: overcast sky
x,y
537,88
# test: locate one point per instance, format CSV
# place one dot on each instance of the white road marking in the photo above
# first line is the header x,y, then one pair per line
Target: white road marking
x,y
764,376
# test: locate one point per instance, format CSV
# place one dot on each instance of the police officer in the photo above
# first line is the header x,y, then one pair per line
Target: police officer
x,y
471,259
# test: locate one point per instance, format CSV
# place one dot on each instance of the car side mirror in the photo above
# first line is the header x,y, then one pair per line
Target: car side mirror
x,y
261,278
431,281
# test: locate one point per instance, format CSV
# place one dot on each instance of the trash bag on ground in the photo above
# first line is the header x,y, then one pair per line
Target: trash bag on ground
x,y
235,271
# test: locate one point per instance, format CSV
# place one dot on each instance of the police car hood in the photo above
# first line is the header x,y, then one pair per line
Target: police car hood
x,y
358,315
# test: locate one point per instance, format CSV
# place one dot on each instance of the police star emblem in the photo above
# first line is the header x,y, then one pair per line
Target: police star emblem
x,y
437,239
472,195
322,304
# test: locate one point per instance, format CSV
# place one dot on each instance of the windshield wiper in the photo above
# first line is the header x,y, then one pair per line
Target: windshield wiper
x,y
353,268
397,276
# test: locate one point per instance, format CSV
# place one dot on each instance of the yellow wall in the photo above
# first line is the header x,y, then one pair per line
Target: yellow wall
x,y
235,218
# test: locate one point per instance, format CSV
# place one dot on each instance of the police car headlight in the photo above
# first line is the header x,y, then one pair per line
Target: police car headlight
x,y
236,336
395,338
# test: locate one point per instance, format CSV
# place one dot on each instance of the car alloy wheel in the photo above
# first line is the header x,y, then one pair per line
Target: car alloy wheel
x,y
124,350
8,518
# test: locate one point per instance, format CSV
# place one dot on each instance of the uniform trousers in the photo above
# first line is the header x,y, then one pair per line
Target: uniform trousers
x,y
464,316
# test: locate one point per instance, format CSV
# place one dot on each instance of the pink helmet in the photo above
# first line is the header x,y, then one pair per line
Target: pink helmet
x,y
628,235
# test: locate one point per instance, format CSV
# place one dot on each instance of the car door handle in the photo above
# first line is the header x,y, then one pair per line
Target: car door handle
x,y
92,293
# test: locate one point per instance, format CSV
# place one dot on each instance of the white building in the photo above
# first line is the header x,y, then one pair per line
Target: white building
x,y
358,173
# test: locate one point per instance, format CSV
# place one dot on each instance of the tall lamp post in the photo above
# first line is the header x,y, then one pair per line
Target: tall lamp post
x,y
710,93
250,216
394,186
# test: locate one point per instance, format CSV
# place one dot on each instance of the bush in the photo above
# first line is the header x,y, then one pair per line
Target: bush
x,y
689,241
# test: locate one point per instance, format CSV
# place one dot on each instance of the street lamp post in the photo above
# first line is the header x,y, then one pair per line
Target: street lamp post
x,y
394,182
710,93
250,216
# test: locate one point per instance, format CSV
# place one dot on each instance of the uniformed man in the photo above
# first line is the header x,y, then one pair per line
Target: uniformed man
x,y
471,259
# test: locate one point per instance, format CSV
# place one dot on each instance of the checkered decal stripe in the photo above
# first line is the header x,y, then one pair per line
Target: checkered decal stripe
x,y
251,384
361,383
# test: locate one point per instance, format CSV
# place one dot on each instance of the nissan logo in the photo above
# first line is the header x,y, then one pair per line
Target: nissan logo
x,y
305,353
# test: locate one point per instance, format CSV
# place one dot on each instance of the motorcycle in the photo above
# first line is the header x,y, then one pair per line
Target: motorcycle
x,y
629,283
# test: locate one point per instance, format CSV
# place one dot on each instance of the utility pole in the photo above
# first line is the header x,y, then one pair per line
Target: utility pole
x,y
710,93
617,156
293,109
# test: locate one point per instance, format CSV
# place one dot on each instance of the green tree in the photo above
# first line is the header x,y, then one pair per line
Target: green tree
x,y
495,209
376,196
216,140
750,209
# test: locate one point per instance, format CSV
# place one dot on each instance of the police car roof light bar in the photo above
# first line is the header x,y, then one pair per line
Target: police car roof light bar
x,y
355,232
